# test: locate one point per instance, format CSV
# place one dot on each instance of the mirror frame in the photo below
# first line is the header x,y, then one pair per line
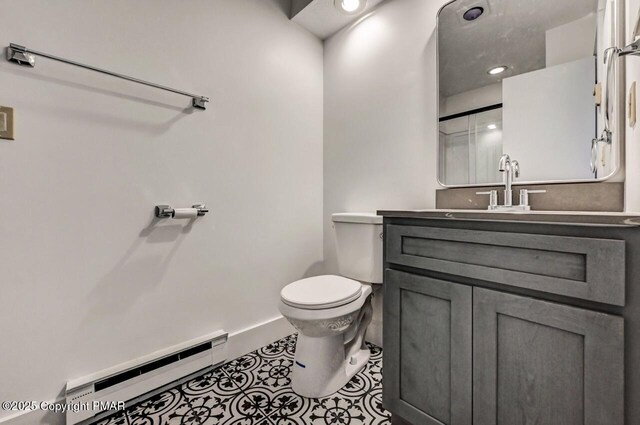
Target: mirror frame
x,y
619,109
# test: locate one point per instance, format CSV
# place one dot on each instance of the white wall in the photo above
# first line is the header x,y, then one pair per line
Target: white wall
x,y
548,121
381,132
572,41
89,280
472,99
632,152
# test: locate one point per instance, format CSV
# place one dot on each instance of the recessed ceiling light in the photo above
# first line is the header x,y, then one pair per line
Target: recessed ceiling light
x,y
350,7
492,126
497,70
473,13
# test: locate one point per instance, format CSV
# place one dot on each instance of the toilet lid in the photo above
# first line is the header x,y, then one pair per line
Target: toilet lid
x,y
321,292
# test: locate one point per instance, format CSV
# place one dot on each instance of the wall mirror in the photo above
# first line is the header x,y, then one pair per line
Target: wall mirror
x,y
529,79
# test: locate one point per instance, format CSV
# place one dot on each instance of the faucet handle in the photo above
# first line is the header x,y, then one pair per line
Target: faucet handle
x,y
524,195
515,166
493,198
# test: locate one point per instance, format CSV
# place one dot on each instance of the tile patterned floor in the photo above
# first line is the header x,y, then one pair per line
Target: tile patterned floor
x,y
255,389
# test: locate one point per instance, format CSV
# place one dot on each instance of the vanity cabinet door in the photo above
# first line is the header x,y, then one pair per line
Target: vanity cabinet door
x,y
537,362
427,351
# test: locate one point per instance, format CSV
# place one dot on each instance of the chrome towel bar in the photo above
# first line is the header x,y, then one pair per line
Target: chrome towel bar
x,y
26,57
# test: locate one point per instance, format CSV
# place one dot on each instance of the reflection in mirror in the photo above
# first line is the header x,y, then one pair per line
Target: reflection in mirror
x,y
520,77
471,145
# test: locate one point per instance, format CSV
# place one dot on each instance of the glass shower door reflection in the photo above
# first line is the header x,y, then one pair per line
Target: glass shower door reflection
x,y
471,147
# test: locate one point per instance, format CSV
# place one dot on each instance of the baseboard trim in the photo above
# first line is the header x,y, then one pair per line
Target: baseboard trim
x,y
254,337
239,343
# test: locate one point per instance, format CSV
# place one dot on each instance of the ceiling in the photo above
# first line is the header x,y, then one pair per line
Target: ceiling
x,y
322,18
510,32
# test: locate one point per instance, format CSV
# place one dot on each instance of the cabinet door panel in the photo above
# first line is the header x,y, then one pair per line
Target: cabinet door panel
x,y
427,355
537,362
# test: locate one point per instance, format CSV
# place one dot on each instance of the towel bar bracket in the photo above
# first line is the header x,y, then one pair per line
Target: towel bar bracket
x,y
19,55
632,49
200,102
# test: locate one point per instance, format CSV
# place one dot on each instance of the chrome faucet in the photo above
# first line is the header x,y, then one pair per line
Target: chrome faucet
x,y
510,169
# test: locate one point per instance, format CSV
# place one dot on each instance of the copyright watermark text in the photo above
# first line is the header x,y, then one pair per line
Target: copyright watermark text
x,y
60,407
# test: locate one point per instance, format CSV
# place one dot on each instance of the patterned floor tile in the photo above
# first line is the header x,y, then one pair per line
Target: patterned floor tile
x,y
167,408
255,389
359,385
216,385
216,398
376,352
336,409
117,419
373,371
285,347
253,371
265,380
373,405
242,409
265,375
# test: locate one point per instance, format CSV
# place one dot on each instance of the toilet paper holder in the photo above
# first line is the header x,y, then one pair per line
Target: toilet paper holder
x,y
167,211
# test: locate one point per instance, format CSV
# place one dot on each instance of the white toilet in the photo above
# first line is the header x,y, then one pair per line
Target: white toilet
x,y
331,313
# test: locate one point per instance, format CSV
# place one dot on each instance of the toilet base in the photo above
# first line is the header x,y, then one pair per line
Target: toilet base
x,y
320,368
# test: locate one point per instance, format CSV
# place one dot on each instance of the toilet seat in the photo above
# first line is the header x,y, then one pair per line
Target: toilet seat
x,y
321,292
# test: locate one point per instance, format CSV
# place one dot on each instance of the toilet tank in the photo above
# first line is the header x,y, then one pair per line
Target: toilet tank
x,y
359,245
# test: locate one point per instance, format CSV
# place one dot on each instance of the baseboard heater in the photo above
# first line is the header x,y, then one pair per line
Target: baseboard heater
x,y
92,395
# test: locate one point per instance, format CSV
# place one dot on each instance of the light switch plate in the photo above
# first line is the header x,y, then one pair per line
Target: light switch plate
x,y
632,105
6,123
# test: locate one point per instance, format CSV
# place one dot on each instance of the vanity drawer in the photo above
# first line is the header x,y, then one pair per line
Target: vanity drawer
x,y
585,268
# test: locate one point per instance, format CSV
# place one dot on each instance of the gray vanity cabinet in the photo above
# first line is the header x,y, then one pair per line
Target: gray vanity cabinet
x,y
427,349
478,328
537,362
